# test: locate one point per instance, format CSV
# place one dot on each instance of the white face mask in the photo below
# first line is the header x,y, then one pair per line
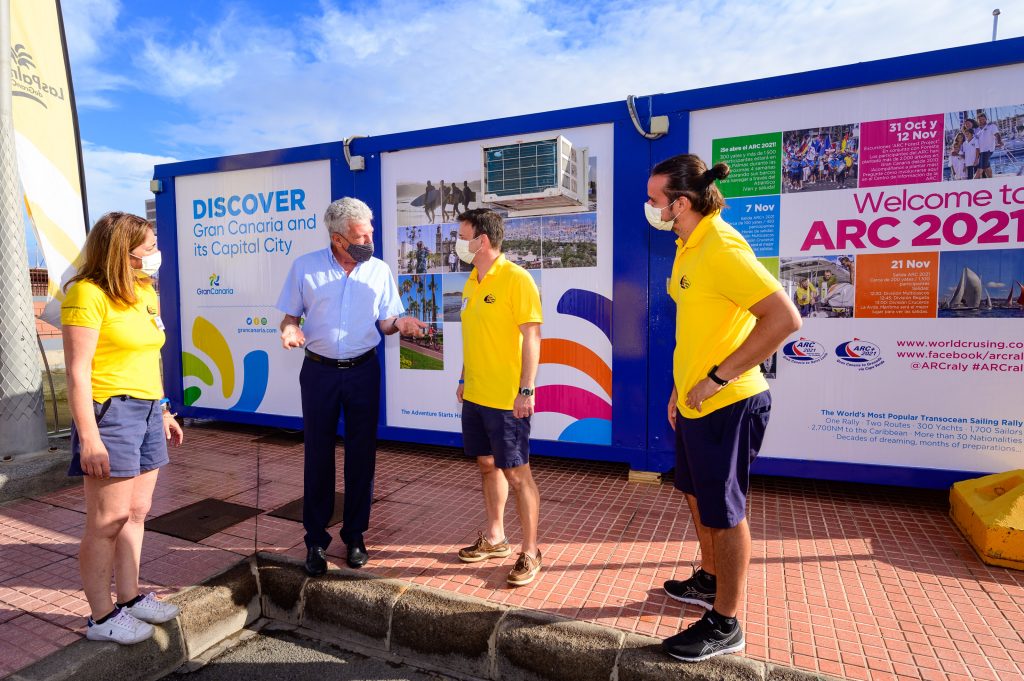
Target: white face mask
x,y
462,250
654,218
150,264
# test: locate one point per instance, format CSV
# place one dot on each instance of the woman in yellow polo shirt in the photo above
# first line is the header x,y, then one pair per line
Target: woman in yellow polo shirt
x,y
112,339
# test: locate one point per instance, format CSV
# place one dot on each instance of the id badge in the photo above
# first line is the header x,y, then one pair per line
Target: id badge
x,y
465,302
159,322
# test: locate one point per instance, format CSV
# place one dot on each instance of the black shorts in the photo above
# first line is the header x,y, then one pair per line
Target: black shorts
x,y
713,457
487,431
985,160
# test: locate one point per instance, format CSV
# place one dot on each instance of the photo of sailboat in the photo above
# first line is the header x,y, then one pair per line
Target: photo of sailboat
x,y
981,284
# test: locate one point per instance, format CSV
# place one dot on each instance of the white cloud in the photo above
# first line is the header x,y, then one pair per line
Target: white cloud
x,y
381,67
117,179
995,284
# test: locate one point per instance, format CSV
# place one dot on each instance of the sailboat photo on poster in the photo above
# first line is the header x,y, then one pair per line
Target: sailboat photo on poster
x,y
981,284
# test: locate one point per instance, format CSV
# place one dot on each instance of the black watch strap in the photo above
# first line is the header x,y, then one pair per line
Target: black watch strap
x,y
526,392
714,377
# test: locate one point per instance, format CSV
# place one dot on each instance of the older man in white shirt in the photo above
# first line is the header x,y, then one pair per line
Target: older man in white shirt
x,y
346,298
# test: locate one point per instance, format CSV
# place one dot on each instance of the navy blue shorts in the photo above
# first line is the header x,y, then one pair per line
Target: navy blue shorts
x,y
132,430
713,457
495,432
985,160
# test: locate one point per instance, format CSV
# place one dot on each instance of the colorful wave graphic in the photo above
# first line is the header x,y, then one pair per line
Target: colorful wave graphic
x,y
593,413
211,342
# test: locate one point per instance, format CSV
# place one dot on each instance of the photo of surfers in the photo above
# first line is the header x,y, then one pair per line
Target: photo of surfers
x,y
422,295
821,158
435,201
983,143
820,286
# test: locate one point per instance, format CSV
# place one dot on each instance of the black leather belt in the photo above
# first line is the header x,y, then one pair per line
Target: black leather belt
x,y
342,363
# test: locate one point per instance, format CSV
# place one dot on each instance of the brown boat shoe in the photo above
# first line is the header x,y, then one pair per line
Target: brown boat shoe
x,y
525,571
483,549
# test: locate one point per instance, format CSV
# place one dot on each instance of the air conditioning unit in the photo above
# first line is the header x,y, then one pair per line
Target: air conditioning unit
x,y
541,177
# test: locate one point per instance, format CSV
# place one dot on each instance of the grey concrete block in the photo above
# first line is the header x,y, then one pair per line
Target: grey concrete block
x,y
281,582
779,673
536,646
218,608
642,659
352,606
36,474
94,661
445,630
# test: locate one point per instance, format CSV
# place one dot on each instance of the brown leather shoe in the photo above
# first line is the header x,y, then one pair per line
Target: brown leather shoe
x,y
483,549
525,570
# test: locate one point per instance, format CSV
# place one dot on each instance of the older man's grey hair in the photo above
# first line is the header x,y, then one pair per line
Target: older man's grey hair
x,y
343,211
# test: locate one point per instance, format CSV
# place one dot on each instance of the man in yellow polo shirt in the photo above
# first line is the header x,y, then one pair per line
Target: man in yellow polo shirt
x,y
731,315
501,318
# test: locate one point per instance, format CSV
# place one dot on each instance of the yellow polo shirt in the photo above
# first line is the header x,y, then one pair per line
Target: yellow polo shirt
x,y
715,280
127,358
492,344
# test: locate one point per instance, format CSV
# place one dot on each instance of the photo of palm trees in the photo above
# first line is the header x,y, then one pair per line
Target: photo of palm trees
x,y
422,297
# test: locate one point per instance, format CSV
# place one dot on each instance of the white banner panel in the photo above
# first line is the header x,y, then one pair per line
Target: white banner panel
x,y
569,255
238,233
894,216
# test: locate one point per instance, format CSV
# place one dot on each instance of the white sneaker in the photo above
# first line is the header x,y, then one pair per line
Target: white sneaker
x,y
149,609
121,628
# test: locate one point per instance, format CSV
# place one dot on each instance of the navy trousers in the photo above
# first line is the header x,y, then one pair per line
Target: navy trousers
x,y
327,393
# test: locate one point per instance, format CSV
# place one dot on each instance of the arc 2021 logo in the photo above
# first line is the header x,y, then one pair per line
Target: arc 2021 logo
x,y
858,353
804,351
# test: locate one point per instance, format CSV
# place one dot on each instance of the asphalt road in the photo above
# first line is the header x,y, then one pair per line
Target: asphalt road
x,y
285,656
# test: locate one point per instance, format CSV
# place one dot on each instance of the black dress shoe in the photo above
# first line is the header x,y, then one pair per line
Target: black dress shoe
x,y
316,561
357,555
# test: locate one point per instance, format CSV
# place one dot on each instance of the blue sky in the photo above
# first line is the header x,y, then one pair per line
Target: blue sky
x,y
158,82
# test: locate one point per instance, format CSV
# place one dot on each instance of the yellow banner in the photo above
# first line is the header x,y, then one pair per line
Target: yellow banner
x,y
46,139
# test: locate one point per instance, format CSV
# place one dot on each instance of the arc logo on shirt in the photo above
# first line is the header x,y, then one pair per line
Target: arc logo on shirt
x,y
489,298
684,282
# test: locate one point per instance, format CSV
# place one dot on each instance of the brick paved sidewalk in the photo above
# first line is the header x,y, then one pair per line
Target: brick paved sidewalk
x,y
856,581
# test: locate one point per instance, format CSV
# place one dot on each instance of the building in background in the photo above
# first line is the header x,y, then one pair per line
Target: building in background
x,y
151,212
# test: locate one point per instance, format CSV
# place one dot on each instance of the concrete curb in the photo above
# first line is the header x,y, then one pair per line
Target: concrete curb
x,y
465,637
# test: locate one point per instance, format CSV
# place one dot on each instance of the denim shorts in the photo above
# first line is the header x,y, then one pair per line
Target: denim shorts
x,y
495,432
713,457
132,430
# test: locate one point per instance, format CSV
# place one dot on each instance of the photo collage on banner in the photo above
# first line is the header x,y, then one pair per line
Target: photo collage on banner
x,y
566,249
900,239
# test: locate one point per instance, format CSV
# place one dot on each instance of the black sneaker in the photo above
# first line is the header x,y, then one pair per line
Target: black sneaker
x,y
703,639
699,589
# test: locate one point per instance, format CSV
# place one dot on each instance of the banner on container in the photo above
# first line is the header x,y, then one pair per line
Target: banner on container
x,y
568,253
894,217
238,233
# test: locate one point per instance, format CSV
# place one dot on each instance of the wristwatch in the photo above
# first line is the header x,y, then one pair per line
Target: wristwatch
x,y
526,392
714,377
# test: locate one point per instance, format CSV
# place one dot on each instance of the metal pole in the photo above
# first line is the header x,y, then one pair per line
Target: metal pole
x,y
22,419
995,23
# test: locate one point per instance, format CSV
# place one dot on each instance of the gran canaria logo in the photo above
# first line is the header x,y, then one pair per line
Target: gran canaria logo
x,y
30,85
684,282
215,288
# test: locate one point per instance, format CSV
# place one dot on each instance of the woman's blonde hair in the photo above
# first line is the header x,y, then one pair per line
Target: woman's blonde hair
x,y
105,256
